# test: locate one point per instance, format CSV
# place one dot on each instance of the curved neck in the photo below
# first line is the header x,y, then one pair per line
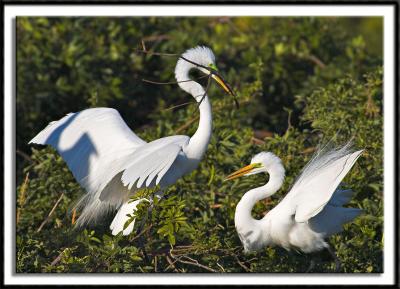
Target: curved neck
x,y
243,216
199,141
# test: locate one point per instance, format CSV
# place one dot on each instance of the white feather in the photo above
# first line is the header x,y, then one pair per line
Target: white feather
x,y
319,180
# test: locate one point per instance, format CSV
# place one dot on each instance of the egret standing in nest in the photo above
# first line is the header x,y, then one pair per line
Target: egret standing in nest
x,y
112,163
310,212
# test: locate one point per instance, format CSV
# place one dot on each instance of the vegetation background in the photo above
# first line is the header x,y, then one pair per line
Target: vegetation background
x,y
300,82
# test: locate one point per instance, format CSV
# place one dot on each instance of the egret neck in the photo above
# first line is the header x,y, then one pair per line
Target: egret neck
x,y
243,209
199,141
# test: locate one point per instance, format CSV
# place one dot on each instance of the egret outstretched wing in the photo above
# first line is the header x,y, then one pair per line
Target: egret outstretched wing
x,y
89,141
318,182
105,156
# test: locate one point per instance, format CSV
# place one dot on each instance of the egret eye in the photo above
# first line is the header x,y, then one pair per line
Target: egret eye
x,y
258,165
213,66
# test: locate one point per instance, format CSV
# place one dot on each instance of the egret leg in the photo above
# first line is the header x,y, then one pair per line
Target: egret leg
x,y
312,265
337,261
141,240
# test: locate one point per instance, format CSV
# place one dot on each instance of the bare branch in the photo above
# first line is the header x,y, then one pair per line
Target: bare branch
x,y
57,259
25,156
51,213
192,120
156,37
191,261
171,264
141,233
316,60
22,197
257,141
247,269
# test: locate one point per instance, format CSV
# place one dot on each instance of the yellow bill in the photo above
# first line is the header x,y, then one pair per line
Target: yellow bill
x,y
222,83
242,171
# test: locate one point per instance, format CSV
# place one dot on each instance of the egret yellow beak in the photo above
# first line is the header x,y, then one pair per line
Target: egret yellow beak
x,y
242,171
222,83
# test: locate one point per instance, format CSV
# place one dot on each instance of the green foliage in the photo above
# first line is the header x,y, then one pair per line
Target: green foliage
x,y
300,82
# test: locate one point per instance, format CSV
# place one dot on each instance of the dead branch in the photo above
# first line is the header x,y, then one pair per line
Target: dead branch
x,y
257,141
247,269
156,37
25,156
51,213
57,259
309,150
222,268
73,220
191,261
22,197
141,233
188,123
316,61
171,264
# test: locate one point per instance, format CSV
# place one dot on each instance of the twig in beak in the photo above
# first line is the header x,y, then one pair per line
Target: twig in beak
x,y
143,46
172,82
156,53
207,87
212,71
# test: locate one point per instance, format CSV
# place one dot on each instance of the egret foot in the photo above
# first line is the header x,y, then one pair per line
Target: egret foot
x,y
335,258
121,217
311,267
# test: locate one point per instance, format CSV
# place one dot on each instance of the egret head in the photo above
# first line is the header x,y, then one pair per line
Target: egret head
x,y
202,56
203,59
264,162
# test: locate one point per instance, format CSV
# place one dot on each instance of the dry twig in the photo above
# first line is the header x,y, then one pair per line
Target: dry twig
x,y
57,259
25,156
171,264
247,269
141,233
51,213
191,261
22,197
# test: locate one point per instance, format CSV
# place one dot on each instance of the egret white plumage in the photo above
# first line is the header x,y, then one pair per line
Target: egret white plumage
x,y
111,162
310,212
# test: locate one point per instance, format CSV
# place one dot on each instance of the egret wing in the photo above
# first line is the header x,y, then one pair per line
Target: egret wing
x,y
319,180
101,151
152,161
91,142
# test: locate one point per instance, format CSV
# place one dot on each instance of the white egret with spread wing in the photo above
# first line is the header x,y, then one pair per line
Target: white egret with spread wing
x,y
111,162
310,212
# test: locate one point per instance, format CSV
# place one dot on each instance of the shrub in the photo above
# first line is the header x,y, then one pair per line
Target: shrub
x,y
300,82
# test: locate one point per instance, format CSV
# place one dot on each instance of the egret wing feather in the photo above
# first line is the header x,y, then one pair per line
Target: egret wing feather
x,y
147,159
331,219
154,159
89,141
104,156
319,180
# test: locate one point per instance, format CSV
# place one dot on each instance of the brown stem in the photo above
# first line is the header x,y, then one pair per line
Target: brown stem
x,y
25,156
192,262
316,60
171,264
141,233
192,120
57,259
22,197
51,213
247,269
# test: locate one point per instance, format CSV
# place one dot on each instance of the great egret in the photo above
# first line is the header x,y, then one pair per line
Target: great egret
x,y
310,212
111,162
